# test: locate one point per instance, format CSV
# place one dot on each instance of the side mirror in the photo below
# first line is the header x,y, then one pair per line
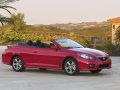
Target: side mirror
x,y
54,47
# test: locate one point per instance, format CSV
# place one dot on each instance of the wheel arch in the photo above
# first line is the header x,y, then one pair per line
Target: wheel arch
x,y
13,57
66,59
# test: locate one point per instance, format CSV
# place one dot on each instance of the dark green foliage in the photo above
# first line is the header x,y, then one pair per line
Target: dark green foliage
x,y
87,43
118,36
3,20
5,7
117,46
108,47
17,22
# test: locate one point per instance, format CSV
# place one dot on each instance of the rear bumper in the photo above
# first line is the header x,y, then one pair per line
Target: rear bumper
x,y
5,59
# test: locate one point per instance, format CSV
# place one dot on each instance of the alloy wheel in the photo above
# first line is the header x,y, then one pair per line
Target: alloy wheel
x,y
17,64
71,67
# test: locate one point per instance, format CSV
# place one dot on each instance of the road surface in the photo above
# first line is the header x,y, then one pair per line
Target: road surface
x,y
34,79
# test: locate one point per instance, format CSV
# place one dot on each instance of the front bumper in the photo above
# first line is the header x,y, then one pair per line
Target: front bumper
x,y
99,66
95,65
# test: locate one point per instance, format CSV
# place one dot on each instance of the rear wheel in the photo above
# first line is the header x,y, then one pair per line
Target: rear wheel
x,y
95,71
71,67
17,64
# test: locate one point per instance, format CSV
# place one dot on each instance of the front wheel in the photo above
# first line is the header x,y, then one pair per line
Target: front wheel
x,y
71,67
95,71
17,64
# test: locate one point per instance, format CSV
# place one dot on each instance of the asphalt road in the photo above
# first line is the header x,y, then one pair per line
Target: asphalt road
x,y
34,79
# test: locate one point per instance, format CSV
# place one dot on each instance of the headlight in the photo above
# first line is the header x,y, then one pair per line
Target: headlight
x,y
86,56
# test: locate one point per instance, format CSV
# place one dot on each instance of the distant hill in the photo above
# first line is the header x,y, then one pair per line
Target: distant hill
x,y
78,26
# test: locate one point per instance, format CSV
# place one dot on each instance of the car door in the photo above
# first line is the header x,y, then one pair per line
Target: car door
x,y
28,54
47,57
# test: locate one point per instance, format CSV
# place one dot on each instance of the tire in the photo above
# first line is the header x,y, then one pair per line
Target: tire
x,y
17,64
95,71
71,67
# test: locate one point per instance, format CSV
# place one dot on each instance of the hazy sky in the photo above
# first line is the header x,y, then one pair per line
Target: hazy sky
x,y
65,11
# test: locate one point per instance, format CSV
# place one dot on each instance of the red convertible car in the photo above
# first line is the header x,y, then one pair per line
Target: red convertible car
x,y
62,54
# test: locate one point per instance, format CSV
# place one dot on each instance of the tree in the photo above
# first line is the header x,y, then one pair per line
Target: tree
x,y
118,36
117,46
2,18
3,5
17,22
5,2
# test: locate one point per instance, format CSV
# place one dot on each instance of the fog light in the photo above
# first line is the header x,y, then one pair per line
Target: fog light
x,y
91,65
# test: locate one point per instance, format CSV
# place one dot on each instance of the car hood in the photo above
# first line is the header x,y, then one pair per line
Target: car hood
x,y
89,51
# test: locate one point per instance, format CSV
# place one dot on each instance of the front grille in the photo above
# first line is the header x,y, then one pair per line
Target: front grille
x,y
104,65
103,58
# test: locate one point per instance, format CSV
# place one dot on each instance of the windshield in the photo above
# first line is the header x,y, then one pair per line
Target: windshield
x,y
68,43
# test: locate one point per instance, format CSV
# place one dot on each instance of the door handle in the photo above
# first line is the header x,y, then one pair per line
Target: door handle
x,y
35,51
